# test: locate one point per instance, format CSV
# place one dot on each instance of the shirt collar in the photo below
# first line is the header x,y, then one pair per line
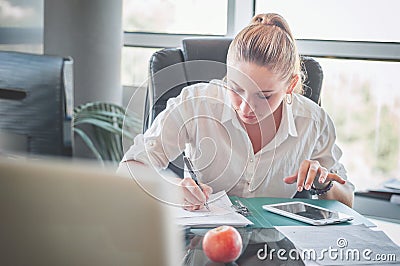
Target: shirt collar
x,y
286,128
289,117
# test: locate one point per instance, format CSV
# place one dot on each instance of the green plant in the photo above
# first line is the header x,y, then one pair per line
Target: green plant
x,y
110,124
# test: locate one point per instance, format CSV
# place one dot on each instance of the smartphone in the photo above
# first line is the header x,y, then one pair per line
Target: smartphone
x,y
308,213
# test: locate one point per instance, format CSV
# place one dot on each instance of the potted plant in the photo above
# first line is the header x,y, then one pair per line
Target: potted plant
x,y
103,126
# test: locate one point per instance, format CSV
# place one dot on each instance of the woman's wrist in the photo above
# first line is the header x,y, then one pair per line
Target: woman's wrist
x,y
321,189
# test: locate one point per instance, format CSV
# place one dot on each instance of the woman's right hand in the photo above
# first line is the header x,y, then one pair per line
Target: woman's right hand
x,y
194,196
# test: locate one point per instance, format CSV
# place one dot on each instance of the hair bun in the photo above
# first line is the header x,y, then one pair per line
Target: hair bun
x,y
260,19
271,19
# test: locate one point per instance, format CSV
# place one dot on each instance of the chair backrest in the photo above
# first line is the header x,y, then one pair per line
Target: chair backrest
x,y
36,103
178,72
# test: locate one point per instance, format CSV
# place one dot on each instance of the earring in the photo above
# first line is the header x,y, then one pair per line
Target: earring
x,y
289,98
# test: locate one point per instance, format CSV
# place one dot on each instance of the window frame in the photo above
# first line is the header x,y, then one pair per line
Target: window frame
x,y
239,14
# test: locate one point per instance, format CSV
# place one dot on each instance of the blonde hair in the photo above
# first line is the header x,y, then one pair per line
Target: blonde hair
x,y
268,41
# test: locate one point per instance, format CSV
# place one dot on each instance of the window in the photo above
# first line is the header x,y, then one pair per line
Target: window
x,y
364,103
354,20
134,70
21,25
176,16
163,23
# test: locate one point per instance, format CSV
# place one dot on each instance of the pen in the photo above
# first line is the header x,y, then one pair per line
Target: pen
x,y
193,175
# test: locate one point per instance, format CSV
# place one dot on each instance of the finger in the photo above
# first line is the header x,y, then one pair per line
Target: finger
x,y
311,174
196,207
190,207
197,196
323,174
187,205
301,176
290,179
187,194
207,190
337,178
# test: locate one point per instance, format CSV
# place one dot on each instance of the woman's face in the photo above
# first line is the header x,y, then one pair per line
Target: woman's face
x,y
255,91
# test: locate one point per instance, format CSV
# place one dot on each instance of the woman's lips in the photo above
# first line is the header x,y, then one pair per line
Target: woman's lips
x,y
248,116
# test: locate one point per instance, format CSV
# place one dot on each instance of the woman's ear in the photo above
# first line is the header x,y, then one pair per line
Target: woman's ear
x,y
292,84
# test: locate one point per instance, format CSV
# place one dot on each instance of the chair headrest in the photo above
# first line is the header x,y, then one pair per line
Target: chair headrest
x,y
213,48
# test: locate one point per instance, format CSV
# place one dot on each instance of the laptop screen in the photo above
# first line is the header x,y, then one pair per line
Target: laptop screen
x,y
58,213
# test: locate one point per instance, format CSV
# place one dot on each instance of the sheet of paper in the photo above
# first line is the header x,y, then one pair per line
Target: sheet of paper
x,y
218,203
342,245
221,213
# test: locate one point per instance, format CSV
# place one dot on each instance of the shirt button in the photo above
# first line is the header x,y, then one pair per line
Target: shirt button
x,y
251,160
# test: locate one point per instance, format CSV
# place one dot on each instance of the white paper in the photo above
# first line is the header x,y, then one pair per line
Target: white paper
x,y
218,203
221,213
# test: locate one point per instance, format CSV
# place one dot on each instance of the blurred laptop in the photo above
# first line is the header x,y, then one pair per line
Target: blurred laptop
x,y
12,142
58,213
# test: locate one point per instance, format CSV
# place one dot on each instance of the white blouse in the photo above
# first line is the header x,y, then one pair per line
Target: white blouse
x,y
202,122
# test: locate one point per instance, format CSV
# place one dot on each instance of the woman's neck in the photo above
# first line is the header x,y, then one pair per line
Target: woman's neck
x,y
263,132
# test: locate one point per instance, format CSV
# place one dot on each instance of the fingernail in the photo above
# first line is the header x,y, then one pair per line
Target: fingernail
x,y
307,187
299,188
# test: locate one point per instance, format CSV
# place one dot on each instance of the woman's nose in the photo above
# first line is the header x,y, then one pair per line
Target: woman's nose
x,y
246,107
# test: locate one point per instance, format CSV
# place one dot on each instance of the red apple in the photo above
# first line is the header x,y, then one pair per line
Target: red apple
x,y
222,244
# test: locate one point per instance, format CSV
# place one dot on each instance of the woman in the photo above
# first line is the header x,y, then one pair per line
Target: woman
x,y
252,134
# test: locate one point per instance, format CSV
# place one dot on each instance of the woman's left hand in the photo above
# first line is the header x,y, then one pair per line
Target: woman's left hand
x,y
308,171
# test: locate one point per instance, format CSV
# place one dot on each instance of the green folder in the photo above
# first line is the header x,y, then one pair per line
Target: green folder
x,y
265,219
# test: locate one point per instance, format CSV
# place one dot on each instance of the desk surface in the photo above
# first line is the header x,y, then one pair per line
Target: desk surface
x,y
253,239
384,214
264,219
256,239
391,229
263,232
377,208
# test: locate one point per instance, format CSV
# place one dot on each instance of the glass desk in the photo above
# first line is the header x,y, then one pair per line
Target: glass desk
x,y
255,242
263,234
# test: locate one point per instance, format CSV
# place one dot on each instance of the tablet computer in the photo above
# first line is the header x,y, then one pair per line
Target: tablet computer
x,y
308,213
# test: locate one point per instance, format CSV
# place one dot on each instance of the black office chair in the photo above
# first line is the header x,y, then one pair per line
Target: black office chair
x,y
179,71
36,104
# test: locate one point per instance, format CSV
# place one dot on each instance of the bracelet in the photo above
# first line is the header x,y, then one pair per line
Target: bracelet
x,y
321,191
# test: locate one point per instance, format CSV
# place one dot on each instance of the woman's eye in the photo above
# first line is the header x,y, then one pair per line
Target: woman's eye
x,y
263,96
